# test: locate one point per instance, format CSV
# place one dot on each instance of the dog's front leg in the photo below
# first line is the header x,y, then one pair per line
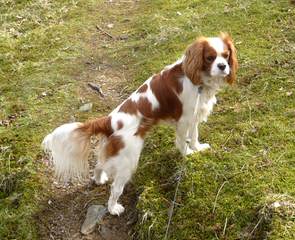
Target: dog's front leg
x,y
182,138
194,143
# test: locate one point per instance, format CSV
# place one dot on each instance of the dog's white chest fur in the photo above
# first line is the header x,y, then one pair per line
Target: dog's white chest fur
x,y
189,98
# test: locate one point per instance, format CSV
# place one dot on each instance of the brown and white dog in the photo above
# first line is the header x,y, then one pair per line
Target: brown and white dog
x,y
208,63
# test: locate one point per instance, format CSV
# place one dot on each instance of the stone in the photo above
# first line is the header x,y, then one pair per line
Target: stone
x,y
110,25
94,215
86,107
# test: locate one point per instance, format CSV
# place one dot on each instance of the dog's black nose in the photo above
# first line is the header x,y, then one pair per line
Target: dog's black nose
x,y
221,66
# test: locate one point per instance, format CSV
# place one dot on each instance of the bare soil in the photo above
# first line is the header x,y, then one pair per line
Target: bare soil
x,y
62,215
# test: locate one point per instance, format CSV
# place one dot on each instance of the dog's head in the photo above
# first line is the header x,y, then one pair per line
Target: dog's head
x,y
212,57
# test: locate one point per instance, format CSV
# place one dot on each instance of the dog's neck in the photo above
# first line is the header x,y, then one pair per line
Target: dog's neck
x,y
212,84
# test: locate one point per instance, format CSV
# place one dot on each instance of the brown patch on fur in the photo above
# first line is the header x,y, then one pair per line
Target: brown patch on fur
x,y
145,107
193,63
142,105
209,55
129,106
113,146
142,89
120,124
226,54
233,61
97,126
172,75
165,87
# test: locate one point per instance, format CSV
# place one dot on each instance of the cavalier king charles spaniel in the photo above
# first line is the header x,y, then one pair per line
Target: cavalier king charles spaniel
x,y
180,91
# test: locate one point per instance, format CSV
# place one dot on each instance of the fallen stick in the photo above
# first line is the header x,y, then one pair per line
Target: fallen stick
x,y
103,31
96,88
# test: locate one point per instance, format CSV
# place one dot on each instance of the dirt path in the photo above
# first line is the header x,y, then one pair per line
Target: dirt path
x,y
64,210
63,215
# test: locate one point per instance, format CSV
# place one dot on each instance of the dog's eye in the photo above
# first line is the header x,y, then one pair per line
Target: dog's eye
x,y
226,56
210,58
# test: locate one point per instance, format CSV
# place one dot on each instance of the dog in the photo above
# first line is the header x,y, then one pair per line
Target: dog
x,y
207,65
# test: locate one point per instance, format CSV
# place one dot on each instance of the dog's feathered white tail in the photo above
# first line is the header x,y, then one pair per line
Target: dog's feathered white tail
x,y
69,146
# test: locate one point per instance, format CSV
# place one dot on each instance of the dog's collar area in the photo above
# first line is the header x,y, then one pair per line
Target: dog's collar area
x,y
200,89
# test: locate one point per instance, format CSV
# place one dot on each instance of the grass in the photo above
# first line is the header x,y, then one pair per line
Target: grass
x,y
226,193
40,49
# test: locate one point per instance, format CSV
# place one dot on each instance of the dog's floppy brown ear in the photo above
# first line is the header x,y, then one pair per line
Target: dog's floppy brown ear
x,y
233,61
193,62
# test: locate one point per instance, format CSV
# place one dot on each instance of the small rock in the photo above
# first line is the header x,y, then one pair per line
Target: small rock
x,y
123,37
110,25
289,94
72,119
86,107
94,215
275,205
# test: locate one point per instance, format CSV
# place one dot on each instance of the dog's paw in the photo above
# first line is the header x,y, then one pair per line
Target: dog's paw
x,y
116,209
103,178
201,147
188,151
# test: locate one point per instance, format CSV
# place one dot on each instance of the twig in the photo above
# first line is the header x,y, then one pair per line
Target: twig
x,y
215,202
227,138
172,207
89,201
103,31
256,226
123,90
250,113
96,88
149,231
225,224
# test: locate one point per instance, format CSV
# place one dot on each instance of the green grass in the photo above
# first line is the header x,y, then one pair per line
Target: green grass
x,y
225,193
40,54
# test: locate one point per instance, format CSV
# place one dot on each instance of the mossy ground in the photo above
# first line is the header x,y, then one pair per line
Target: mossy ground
x,y
225,193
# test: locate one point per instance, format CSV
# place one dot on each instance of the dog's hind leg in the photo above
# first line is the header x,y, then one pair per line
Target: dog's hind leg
x,y
125,163
117,188
100,174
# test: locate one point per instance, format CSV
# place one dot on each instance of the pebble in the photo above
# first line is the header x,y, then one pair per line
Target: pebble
x,y
94,215
86,107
